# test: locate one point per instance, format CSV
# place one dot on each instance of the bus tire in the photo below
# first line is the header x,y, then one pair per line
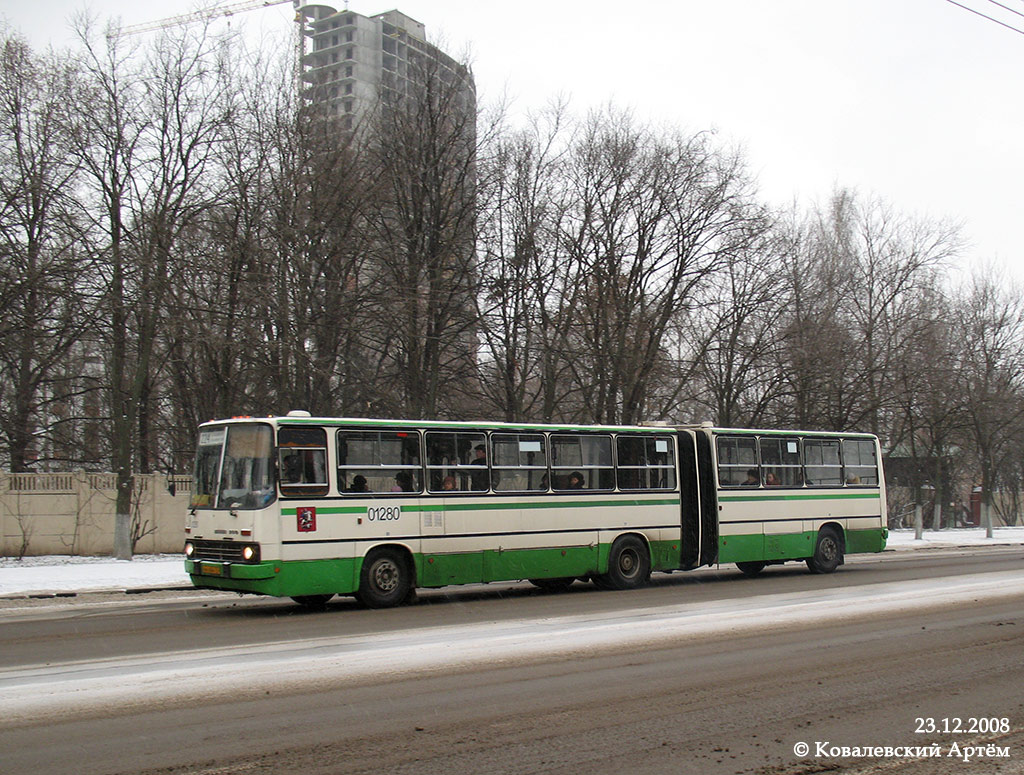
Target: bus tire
x,y
828,552
553,585
385,579
751,568
629,565
312,602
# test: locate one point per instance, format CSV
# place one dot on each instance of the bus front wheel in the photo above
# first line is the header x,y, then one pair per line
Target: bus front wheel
x,y
629,565
828,552
384,580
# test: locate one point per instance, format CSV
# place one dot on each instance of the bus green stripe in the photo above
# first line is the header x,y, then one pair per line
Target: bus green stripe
x,y
537,505
512,506
822,497
329,510
790,434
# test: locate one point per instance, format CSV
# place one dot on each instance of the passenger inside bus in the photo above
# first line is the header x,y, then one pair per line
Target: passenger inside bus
x,y
403,482
480,481
293,469
358,484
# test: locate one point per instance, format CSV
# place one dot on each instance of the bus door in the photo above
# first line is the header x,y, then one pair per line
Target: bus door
x,y
689,501
708,499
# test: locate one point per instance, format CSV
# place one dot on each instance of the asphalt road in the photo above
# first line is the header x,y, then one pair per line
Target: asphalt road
x,y
197,683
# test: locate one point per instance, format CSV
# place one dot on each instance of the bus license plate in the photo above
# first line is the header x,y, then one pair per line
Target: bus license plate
x,y
211,570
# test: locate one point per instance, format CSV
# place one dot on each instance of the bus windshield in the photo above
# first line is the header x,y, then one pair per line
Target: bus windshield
x,y
234,467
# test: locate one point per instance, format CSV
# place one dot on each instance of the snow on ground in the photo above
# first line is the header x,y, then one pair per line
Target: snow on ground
x,y
930,539
37,691
59,574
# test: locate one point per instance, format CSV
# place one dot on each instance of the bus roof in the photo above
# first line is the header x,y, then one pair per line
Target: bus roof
x,y
367,422
439,424
782,432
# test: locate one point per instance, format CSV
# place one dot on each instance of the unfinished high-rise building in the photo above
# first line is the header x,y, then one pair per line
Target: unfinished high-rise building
x,y
353,63
408,110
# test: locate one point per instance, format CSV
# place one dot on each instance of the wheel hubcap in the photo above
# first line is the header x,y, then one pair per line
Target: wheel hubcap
x,y
385,576
829,549
628,563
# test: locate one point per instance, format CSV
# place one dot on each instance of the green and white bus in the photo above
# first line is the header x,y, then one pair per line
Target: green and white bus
x,y
308,507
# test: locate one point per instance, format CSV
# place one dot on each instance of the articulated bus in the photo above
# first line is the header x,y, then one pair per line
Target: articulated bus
x,y
307,507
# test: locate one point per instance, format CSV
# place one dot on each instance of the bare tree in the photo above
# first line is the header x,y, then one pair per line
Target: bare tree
x,y
42,302
523,280
424,265
149,133
321,196
272,313
891,258
930,419
991,321
218,357
652,219
735,334
854,286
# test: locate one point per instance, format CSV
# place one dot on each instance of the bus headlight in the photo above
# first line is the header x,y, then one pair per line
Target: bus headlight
x,y
190,549
251,553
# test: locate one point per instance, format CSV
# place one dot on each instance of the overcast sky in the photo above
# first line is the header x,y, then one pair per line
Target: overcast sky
x,y
916,101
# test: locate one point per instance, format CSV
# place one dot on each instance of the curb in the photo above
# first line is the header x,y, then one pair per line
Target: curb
x,y
131,591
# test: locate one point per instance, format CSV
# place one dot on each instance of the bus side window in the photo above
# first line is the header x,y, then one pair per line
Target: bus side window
x,y
454,463
302,461
737,458
780,461
520,462
645,462
821,462
581,462
859,462
385,461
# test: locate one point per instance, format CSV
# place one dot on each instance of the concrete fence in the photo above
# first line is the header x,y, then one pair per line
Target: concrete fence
x,y
74,513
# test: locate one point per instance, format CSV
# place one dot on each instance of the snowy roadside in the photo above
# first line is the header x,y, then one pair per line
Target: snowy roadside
x,y
64,575
59,574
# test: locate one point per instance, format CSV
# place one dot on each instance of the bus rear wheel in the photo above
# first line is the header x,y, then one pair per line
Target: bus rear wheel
x,y
629,565
751,568
385,579
828,552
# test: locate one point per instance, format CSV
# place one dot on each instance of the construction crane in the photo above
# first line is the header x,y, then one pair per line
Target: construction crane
x,y
206,14
219,11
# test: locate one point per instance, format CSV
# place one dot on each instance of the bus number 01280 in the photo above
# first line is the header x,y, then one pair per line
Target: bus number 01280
x,y
383,513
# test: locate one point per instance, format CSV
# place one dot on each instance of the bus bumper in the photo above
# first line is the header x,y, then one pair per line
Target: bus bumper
x,y
201,570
